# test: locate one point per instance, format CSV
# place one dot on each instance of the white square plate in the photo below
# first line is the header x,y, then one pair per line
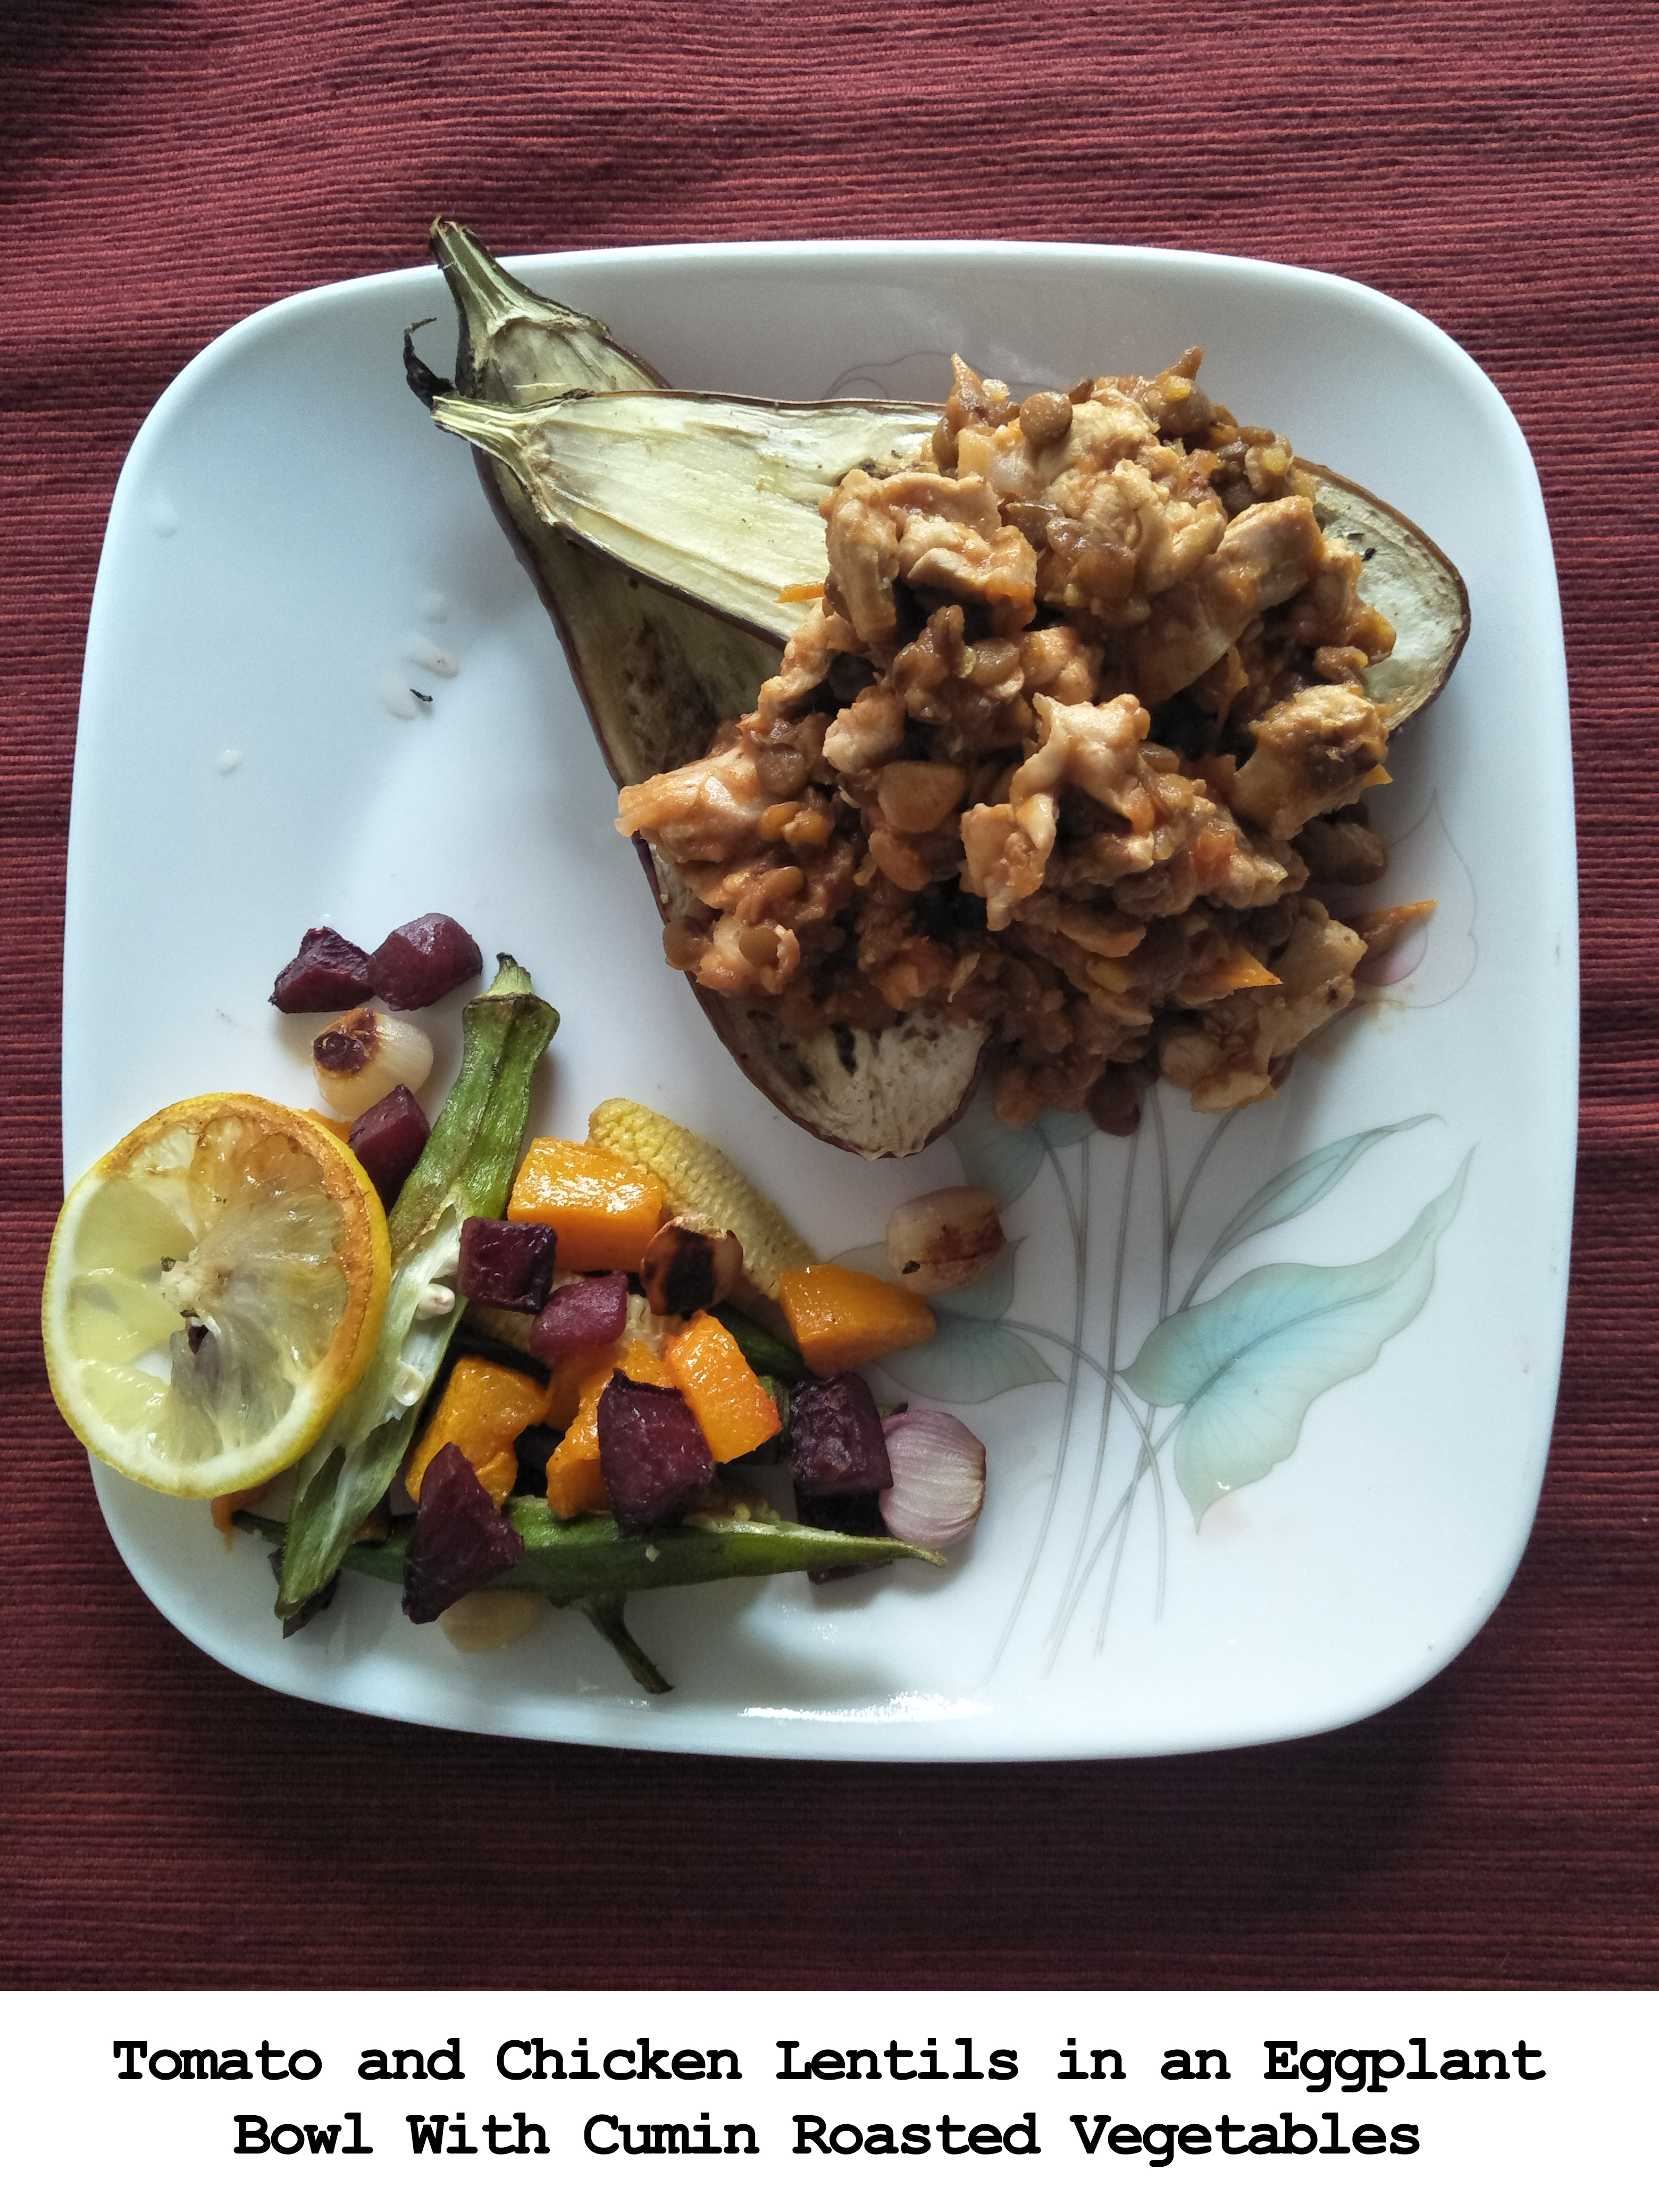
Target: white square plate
x,y
288,528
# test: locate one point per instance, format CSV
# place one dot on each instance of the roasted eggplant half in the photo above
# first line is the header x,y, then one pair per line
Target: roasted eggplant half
x,y
672,536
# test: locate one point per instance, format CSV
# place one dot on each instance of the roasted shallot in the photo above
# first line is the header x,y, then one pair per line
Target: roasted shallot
x,y
939,1479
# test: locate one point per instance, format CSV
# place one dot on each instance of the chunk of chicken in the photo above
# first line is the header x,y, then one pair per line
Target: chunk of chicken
x,y
1097,748
709,809
1314,753
1267,555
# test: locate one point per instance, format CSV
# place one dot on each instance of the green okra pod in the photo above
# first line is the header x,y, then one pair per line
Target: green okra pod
x,y
593,1565
466,1168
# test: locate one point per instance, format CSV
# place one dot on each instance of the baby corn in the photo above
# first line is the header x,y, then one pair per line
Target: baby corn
x,y
702,1182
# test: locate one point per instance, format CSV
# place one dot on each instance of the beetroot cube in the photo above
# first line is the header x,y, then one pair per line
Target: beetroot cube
x,y
388,1138
835,1438
421,961
461,1541
506,1263
326,975
580,1317
652,1455
852,1513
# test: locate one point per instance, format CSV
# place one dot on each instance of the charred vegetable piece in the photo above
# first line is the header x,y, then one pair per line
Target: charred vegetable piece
x,y
461,1541
734,1409
594,1565
854,1513
363,1057
484,1409
580,1317
423,961
466,1168
388,1139
506,1263
653,1454
685,1268
835,1438
326,975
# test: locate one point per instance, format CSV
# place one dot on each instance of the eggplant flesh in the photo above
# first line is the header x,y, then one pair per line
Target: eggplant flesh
x,y
662,527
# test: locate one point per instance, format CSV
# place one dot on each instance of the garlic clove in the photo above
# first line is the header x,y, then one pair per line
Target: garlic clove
x,y
486,1619
947,1241
363,1057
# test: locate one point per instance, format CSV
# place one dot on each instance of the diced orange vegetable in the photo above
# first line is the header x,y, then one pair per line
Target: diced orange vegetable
x,y
722,1389
841,1318
604,1209
575,1484
340,1129
571,1377
484,1409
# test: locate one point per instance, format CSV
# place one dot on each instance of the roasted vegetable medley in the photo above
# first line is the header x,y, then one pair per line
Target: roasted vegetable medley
x,y
573,1374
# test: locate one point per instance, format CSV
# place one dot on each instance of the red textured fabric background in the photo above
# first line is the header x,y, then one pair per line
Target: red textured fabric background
x,y
169,168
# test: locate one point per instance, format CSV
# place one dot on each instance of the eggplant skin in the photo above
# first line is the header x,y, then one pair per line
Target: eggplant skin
x,y
1409,580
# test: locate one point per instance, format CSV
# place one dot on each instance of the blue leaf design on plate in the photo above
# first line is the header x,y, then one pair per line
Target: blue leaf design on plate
x,y
1301,1185
1247,1363
1063,1130
866,1260
968,1362
986,1301
1004,1162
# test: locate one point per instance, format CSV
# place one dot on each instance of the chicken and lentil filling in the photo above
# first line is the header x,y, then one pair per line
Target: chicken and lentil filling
x,y
1075,721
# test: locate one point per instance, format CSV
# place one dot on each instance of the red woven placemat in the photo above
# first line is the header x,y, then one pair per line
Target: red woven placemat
x,y
169,169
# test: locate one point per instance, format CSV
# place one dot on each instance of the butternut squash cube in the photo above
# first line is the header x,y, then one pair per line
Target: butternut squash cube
x,y
603,1210
484,1409
575,1483
843,1319
722,1389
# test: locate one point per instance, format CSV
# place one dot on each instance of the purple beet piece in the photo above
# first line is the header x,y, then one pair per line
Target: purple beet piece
x,y
419,964
461,1541
652,1455
326,975
835,1439
580,1317
506,1263
388,1139
850,1513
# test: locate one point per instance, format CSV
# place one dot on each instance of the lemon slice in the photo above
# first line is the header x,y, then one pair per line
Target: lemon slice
x,y
214,1289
